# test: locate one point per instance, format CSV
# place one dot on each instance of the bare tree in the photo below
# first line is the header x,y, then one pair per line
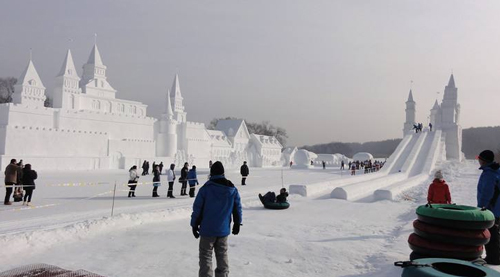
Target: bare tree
x,y
264,128
7,89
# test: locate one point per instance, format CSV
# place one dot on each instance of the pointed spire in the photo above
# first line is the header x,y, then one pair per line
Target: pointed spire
x,y
30,76
95,57
176,89
170,113
68,66
436,105
451,82
410,97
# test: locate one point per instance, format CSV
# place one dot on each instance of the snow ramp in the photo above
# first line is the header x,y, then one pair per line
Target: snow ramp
x,y
408,166
393,164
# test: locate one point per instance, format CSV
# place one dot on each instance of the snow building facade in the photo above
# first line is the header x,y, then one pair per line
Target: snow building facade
x,y
88,127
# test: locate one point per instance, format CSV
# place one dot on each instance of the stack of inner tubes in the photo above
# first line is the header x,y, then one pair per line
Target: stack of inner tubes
x,y
450,231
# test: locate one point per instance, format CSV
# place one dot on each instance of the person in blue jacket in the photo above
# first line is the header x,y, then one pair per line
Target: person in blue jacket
x,y
192,180
488,192
213,207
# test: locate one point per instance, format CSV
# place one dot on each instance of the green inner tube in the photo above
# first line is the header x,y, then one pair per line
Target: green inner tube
x,y
447,268
455,212
277,206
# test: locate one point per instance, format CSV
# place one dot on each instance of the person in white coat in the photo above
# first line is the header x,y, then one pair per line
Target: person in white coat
x,y
171,179
132,181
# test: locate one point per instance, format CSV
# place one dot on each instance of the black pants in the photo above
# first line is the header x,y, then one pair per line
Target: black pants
x,y
192,190
493,247
155,191
243,179
28,194
170,192
8,192
183,189
131,191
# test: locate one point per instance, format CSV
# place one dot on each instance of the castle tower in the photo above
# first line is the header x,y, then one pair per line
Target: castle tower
x,y
450,116
176,98
67,85
450,103
166,143
94,77
410,114
29,90
435,117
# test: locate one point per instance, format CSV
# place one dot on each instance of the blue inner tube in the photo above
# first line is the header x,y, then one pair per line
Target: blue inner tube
x,y
437,267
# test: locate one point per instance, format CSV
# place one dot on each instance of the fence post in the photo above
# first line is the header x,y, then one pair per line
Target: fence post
x,y
113,205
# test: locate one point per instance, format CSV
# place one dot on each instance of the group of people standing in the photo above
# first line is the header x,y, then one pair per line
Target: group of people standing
x,y
367,165
187,176
145,167
418,127
19,177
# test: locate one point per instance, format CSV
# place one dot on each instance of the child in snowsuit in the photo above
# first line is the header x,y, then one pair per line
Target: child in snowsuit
x,y
439,193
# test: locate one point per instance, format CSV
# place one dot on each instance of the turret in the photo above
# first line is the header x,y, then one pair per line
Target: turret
x,y
176,98
435,117
450,101
166,143
29,90
67,85
94,80
410,114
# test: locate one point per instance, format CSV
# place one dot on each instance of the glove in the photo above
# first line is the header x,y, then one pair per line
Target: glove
x,y
196,232
236,229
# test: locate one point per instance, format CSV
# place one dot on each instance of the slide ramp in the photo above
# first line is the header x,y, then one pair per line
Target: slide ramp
x,y
412,161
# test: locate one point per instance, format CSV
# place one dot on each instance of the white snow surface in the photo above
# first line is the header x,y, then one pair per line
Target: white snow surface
x,y
71,227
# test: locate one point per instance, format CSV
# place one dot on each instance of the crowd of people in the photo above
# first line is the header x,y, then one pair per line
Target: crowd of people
x,y
20,181
368,166
187,177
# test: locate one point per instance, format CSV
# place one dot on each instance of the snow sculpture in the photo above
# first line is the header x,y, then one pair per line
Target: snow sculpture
x,y
362,156
89,128
303,158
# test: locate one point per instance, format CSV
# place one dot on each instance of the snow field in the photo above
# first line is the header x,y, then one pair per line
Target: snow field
x,y
315,237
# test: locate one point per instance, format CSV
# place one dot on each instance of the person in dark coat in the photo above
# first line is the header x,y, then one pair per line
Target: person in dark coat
x,y
244,173
281,198
28,180
183,180
488,192
217,201
144,166
10,180
324,164
192,180
161,167
430,127
147,168
156,181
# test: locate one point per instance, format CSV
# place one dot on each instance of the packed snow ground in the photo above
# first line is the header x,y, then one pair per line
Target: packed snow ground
x,y
71,227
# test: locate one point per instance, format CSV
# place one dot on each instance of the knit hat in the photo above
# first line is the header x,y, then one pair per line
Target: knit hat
x,y
217,169
486,156
438,175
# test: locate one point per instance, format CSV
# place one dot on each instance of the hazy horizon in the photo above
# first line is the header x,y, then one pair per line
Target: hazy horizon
x,y
324,70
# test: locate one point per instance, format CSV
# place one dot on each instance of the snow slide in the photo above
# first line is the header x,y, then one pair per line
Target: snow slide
x,y
416,158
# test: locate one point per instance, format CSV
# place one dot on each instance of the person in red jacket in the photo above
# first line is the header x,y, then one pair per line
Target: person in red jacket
x,y
439,193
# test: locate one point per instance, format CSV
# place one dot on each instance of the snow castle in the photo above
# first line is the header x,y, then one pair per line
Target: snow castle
x,y
87,127
444,117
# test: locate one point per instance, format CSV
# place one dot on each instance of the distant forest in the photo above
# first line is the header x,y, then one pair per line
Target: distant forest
x,y
474,141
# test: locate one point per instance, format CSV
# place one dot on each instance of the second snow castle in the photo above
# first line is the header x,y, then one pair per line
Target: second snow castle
x,y
87,127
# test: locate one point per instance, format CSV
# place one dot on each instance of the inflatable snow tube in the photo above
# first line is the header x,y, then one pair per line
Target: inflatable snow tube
x,y
436,267
414,256
453,236
456,216
443,250
274,205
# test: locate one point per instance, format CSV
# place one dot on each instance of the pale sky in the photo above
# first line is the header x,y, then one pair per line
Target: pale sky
x,y
323,70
